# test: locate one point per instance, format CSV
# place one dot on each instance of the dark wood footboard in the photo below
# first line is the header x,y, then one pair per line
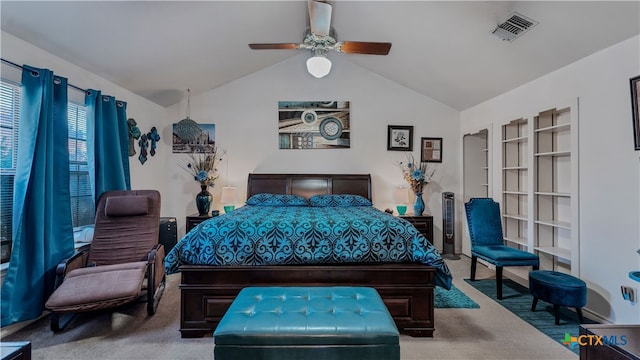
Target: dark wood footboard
x,y
407,290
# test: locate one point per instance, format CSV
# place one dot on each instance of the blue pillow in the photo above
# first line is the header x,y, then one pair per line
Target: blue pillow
x,y
343,200
264,199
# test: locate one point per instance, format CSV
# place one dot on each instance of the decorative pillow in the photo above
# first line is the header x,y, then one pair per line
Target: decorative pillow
x,y
265,199
343,200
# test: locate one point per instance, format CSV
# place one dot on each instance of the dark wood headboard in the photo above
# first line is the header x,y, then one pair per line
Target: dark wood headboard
x,y
307,185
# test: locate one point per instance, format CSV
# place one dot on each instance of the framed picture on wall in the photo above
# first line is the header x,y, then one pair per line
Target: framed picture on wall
x,y
635,101
314,125
191,137
400,138
431,149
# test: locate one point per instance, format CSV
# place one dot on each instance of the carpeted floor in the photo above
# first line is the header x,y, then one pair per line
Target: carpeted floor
x,y
453,298
489,333
517,299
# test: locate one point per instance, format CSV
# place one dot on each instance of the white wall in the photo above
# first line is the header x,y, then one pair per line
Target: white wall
x,y
146,113
245,113
609,168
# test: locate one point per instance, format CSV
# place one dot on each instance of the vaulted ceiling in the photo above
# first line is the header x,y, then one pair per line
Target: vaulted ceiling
x,y
442,49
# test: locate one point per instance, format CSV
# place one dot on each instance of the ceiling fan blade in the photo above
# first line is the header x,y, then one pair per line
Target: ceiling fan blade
x,y
319,18
359,47
274,46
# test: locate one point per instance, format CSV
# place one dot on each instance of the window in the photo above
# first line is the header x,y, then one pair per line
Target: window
x,y
82,204
9,114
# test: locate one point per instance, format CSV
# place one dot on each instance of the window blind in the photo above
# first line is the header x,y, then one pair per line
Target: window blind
x,y
9,116
82,203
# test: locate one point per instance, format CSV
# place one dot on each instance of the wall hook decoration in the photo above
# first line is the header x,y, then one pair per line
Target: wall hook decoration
x,y
154,137
144,143
134,133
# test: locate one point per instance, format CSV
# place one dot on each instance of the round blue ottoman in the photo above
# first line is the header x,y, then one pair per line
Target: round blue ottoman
x,y
559,289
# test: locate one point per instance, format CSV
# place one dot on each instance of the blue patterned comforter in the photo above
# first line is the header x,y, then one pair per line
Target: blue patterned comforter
x,y
273,235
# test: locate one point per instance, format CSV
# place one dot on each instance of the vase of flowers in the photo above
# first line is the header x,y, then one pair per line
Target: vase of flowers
x,y
203,200
417,175
418,207
203,168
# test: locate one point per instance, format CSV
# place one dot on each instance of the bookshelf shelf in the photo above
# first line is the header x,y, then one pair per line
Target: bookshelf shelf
x,y
555,214
515,180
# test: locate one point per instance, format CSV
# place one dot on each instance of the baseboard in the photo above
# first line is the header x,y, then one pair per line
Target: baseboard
x,y
595,316
10,329
518,274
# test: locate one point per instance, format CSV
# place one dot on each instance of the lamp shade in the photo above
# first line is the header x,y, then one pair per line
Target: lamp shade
x,y
400,195
229,195
318,66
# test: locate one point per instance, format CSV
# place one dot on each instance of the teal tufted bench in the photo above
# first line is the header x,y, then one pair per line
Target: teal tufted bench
x,y
307,323
559,289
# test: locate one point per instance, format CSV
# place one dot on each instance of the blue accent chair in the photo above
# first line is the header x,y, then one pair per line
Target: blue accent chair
x,y
487,241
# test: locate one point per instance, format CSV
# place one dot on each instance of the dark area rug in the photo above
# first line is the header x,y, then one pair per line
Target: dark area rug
x,y
453,298
517,299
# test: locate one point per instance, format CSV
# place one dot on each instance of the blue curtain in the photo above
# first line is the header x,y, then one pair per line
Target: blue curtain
x,y
108,132
42,224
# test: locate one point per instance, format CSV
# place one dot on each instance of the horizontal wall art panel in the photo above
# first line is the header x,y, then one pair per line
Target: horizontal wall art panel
x,y
314,124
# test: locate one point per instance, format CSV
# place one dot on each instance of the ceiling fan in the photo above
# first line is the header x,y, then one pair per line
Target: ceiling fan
x,y
320,37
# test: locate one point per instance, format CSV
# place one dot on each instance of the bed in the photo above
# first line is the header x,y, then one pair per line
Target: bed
x,y
306,230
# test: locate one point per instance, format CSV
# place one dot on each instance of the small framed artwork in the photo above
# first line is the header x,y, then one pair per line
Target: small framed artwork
x,y
431,149
635,102
400,138
190,137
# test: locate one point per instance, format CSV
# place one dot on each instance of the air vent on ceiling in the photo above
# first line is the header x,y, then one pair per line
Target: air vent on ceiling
x,y
514,27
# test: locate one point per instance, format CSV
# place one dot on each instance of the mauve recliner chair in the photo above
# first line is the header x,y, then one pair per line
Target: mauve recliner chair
x,y
123,263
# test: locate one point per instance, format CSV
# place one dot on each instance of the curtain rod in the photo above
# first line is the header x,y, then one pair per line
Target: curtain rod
x,y
20,67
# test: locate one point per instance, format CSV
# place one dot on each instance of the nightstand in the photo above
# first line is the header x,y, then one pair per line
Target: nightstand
x,y
622,344
168,233
423,223
195,219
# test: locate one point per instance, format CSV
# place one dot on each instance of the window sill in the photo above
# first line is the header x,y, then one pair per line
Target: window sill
x,y
77,245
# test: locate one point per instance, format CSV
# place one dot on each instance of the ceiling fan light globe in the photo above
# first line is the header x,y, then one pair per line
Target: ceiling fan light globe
x,y
318,66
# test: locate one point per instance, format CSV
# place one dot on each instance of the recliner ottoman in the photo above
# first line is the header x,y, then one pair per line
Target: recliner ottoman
x,y
307,323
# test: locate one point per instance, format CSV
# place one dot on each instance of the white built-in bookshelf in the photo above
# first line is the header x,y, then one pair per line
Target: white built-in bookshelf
x,y
556,217
476,164
476,172
515,180
540,186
